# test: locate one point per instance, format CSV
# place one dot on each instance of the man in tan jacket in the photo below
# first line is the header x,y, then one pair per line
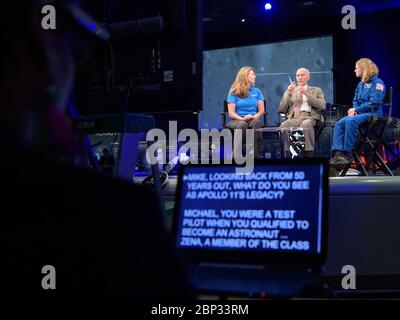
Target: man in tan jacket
x,y
302,105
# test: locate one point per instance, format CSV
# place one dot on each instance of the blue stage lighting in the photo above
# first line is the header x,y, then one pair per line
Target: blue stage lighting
x,y
268,6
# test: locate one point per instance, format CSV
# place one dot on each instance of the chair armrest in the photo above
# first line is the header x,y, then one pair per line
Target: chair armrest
x,y
223,119
335,107
375,104
265,118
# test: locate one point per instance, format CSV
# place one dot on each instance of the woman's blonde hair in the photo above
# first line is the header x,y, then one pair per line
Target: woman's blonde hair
x,y
369,68
240,86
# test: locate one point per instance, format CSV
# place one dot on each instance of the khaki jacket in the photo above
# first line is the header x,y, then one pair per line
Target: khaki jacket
x,y
316,100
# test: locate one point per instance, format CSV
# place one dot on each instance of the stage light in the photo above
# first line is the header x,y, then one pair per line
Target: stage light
x,y
243,20
268,6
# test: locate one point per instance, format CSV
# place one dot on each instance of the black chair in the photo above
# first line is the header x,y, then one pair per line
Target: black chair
x,y
225,114
371,139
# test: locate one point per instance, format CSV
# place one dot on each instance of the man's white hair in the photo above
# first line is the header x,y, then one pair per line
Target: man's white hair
x,y
304,69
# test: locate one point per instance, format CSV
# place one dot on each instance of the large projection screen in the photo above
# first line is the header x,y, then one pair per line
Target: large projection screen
x,y
273,62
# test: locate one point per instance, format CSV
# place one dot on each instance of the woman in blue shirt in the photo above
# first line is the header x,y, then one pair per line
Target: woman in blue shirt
x,y
370,92
246,106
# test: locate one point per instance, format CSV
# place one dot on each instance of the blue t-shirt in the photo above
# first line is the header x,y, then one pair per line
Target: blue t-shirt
x,y
248,105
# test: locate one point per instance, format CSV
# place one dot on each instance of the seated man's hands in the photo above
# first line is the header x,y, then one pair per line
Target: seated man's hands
x,y
291,88
304,91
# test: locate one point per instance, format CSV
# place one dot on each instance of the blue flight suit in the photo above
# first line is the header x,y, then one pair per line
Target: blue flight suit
x,y
346,129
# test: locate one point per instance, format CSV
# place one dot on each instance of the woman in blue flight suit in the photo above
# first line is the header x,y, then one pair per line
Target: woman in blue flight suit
x,y
370,92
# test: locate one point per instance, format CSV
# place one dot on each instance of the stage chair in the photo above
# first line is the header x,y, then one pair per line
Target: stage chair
x,y
371,139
